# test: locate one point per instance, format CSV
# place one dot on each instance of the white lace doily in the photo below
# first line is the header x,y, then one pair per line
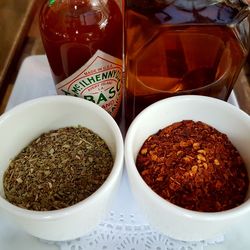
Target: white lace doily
x,y
125,228
119,232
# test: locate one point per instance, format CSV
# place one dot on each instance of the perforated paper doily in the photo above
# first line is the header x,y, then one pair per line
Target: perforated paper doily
x,y
122,233
125,228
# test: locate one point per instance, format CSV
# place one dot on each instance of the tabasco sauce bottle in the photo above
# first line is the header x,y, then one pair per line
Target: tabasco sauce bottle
x,y
83,44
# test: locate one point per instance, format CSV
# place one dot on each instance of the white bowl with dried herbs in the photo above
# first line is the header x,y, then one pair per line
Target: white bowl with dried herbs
x,y
61,164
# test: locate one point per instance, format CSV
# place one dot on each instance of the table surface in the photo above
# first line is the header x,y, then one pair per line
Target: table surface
x,y
15,19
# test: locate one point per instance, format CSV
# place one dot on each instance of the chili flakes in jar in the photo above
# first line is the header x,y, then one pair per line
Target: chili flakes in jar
x,y
194,166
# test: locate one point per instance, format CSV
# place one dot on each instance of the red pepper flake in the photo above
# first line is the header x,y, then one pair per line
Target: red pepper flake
x,y
194,166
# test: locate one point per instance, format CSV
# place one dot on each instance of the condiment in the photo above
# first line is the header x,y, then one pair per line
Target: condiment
x,y
58,169
182,47
83,43
193,165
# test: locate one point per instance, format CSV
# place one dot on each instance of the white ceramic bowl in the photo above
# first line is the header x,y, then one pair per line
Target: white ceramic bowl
x,y
168,218
22,124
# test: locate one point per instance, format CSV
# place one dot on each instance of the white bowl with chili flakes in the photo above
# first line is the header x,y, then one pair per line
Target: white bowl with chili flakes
x,y
28,121
153,178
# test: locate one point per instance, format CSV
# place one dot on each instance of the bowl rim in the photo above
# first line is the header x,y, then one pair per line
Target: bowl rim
x,y
175,209
114,174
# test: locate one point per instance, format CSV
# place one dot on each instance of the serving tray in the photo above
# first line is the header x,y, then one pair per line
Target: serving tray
x,y
124,227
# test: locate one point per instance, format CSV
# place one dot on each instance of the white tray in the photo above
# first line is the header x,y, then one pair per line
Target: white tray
x,y
34,80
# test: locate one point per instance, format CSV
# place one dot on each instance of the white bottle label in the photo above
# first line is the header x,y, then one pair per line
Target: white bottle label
x,y
99,81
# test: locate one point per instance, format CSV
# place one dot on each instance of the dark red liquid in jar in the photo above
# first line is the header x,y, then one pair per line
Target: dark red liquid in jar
x,y
72,31
170,50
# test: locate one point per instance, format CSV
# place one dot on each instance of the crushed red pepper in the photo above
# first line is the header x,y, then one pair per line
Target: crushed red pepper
x,y
194,166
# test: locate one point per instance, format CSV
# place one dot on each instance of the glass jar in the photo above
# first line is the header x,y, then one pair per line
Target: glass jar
x,y
175,47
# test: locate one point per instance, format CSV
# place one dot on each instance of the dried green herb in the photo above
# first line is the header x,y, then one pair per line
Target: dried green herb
x,y
58,169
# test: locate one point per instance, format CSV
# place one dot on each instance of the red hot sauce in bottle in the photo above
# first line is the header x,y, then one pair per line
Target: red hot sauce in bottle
x,y
83,44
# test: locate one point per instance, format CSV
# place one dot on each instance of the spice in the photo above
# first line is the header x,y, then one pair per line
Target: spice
x,y
194,166
58,169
